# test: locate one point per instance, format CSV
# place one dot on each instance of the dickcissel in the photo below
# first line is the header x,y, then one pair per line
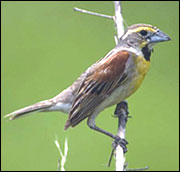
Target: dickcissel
x,y
107,82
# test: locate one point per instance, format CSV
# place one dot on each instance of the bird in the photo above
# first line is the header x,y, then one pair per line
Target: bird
x,y
107,82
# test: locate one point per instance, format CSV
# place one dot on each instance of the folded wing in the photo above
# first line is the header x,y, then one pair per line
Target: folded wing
x,y
97,85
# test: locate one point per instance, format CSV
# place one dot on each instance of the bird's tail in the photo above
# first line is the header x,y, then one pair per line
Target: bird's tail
x,y
38,107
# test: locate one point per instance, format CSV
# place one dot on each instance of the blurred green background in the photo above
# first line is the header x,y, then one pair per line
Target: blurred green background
x,y
45,47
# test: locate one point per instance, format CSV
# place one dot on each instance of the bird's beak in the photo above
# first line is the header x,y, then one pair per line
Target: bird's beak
x,y
159,36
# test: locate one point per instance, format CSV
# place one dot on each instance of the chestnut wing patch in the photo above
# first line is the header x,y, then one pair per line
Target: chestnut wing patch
x,y
97,86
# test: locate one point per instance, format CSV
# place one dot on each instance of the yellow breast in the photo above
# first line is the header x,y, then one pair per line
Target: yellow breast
x,y
142,66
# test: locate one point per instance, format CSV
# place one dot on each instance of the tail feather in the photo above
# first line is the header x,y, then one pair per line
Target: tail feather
x,y
40,106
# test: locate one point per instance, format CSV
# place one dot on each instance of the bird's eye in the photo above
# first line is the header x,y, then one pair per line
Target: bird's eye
x,y
143,32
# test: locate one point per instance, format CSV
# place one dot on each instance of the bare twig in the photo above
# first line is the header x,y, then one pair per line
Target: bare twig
x,y
92,13
119,153
138,169
63,157
59,165
122,113
118,20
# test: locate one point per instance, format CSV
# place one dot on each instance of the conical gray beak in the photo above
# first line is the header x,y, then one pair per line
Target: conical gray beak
x,y
159,36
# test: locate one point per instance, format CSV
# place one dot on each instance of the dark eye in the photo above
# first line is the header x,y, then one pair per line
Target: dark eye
x,y
143,32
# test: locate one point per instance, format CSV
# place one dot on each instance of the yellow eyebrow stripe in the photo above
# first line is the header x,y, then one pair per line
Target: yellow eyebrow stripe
x,y
142,28
138,29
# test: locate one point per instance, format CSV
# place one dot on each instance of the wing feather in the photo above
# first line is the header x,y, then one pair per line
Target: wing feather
x,y
99,84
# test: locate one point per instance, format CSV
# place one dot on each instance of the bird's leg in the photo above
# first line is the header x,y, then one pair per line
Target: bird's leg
x,y
117,139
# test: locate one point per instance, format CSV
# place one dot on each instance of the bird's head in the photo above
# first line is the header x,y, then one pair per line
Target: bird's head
x,y
143,37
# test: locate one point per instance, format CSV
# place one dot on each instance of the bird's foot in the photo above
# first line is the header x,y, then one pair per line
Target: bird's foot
x,y
117,141
121,142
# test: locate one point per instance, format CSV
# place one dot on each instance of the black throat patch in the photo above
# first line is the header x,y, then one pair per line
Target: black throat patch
x,y
146,52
